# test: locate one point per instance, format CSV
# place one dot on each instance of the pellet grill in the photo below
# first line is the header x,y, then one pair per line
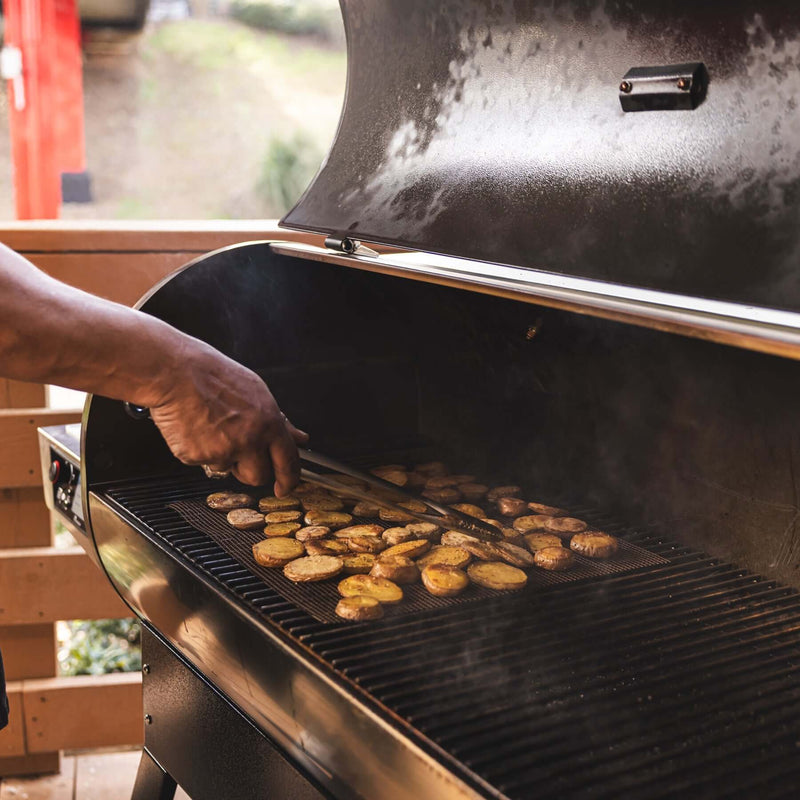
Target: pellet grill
x,y
601,303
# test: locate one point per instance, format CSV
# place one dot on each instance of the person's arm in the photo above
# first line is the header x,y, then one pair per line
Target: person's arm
x,y
210,409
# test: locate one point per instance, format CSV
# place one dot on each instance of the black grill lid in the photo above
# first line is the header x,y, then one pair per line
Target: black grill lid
x,y
495,130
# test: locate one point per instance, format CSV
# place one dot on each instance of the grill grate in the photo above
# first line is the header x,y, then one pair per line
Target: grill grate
x,y
681,678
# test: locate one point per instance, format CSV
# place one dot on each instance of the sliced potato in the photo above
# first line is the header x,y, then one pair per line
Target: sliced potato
x,y
313,568
457,538
359,608
444,580
422,530
282,529
416,480
442,482
496,575
227,501
393,515
283,516
565,525
531,522
330,519
447,496
548,511
445,554
461,479
513,536
411,549
363,508
359,530
394,536
593,544
502,491
513,554
358,564
538,541
272,503
399,569
312,532
245,519
305,488
554,558
382,589
511,506
321,502
277,552
471,509
326,547
366,544
473,491
399,477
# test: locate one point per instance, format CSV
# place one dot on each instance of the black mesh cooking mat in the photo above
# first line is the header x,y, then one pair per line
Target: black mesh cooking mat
x,y
319,599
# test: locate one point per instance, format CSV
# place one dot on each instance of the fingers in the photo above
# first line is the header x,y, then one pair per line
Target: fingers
x,y
300,437
285,463
254,469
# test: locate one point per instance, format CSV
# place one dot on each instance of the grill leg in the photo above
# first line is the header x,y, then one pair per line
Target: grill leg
x,y
152,782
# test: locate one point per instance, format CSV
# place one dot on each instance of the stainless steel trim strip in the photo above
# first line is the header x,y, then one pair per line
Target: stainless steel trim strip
x,y
765,330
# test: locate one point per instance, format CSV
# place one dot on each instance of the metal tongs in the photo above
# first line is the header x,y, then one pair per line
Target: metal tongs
x,y
441,515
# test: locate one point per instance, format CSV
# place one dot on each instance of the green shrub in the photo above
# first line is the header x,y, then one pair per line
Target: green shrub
x,y
95,647
287,169
297,17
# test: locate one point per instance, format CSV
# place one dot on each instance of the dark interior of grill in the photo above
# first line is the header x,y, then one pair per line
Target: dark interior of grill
x,y
682,676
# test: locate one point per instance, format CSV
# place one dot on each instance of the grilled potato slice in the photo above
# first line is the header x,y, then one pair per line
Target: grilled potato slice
x,y
366,544
513,536
358,564
382,589
282,529
422,530
392,515
460,479
538,541
399,477
326,547
547,511
565,525
502,491
415,480
227,501
513,554
363,508
445,554
359,608
594,544
432,469
447,496
313,568
305,488
312,533
444,580
473,491
399,569
272,503
471,509
496,575
245,519
456,538
321,502
282,516
471,544
410,549
554,558
393,536
531,522
511,506
330,519
442,482
359,530
277,552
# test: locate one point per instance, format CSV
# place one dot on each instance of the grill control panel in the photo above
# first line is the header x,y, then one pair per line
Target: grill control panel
x,y
65,480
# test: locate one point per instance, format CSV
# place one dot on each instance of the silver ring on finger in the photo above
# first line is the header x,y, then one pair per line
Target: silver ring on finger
x,y
215,472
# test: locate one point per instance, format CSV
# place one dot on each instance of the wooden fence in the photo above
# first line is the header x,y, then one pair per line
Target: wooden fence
x,y
40,584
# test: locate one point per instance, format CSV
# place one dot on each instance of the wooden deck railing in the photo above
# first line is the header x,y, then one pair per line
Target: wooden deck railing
x,y
40,584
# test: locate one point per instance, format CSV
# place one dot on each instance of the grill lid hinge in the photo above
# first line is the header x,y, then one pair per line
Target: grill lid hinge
x,y
345,244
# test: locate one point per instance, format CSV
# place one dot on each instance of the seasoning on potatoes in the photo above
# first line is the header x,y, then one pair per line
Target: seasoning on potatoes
x,y
311,533
282,516
444,580
399,569
330,519
511,506
473,491
548,511
457,538
394,515
358,564
282,529
411,549
496,575
448,496
245,519
322,502
422,530
363,508
554,558
471,509
277,552
503,491
393,536
365,544
326,547
313,568
227,501
445,554
531,522
382,589
594,544
272,503
565,525
538,541
359,530
359,608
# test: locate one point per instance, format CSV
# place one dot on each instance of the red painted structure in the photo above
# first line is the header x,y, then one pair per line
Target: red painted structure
x,y
45,102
